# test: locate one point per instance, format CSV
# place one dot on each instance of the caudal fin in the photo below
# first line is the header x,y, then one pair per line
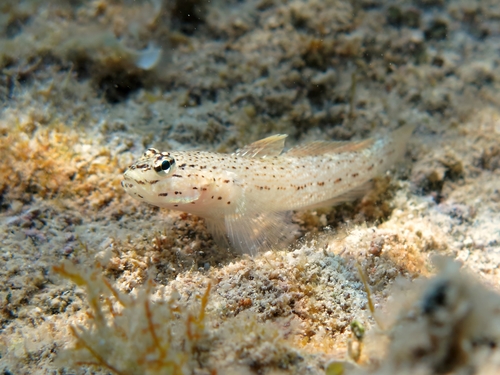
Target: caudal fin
x,y
400,138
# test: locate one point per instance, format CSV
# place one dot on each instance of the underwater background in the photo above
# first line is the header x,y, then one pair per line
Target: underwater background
x,y
404,280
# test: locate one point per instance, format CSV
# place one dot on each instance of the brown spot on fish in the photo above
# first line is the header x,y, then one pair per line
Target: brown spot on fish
x,y
355,174
176,175
162,194
337,180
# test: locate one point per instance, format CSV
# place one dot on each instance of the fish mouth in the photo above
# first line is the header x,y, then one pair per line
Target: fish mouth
x,y
134,187
128,183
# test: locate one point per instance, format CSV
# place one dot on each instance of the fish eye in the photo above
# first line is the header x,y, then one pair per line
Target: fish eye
x,y
163,165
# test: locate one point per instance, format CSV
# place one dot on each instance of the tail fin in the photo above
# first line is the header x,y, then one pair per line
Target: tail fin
x,y
400,138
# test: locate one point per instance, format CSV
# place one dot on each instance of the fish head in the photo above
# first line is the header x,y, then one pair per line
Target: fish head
x,y
153,179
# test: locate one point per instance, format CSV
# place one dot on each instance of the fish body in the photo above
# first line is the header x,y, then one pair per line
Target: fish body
x,y
245,196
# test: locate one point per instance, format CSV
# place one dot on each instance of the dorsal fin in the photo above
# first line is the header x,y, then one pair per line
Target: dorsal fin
x,y
270,146
324,147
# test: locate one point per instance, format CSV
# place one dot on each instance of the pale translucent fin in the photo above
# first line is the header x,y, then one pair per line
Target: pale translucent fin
x,y
323,147
401,137
217,228
270,146
250,233
351,195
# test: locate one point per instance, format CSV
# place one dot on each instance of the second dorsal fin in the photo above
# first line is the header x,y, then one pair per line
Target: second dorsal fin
x,y
270,146
324,147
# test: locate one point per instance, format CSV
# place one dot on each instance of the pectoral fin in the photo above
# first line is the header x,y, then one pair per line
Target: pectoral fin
x,y
217,228
250,233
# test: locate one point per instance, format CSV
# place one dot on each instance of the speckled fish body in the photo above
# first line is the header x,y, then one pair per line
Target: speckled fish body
x,y
244,196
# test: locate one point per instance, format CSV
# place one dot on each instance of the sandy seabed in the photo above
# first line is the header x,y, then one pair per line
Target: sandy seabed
x,y
93,282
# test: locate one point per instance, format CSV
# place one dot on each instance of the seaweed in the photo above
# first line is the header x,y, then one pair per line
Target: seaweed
x,y
143,334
